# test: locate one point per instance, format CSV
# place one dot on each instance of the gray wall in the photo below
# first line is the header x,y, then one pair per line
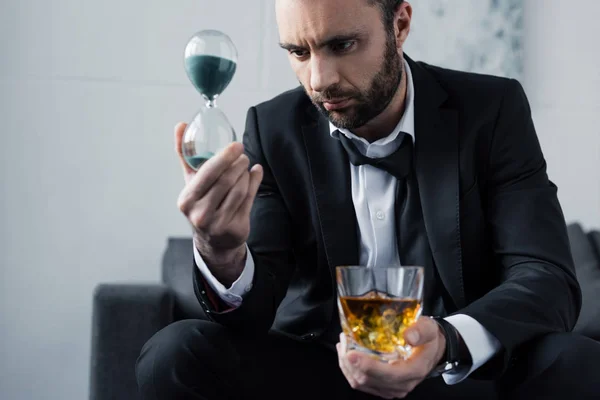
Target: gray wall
x,y
89,94
562,79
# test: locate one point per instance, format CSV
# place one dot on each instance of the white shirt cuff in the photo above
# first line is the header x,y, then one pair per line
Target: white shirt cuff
x,y
233,295
481,344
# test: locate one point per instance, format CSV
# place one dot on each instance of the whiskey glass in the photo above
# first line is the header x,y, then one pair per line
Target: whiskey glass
x,y
376,305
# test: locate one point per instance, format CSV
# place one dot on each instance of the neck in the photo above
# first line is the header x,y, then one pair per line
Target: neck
x,y
381,126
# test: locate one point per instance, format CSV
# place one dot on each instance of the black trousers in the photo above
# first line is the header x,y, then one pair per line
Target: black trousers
x,y
196,359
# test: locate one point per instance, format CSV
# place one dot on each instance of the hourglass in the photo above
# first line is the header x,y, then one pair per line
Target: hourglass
x,y
210,63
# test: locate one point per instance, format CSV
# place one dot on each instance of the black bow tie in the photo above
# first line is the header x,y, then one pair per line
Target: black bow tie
x,y
397,164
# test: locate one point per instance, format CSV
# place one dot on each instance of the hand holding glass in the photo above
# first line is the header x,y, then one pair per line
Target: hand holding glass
x,y
376,305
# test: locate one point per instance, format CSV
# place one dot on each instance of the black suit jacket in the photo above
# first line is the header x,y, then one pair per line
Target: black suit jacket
x,y
492,216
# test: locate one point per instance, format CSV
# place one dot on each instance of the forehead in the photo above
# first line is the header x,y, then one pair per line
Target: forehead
x,y
302,21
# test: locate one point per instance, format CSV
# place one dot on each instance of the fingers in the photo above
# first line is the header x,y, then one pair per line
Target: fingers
x,y
179,133
216,166
357,380
202,181
369,366
370,375
256,176
423,331
357,376
387,380
211,170
343,363
344,367
353,366
429,347
206,206
234,198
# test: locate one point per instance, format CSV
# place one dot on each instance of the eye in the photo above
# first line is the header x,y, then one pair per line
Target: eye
x,y
299,53
343,47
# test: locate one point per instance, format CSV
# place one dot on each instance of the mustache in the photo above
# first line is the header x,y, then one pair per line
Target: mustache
x,y
333,93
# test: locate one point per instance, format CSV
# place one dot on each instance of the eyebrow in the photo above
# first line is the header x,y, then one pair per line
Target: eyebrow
x,y
328,42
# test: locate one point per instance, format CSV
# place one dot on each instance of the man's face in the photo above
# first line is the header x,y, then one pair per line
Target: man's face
x,y
343,56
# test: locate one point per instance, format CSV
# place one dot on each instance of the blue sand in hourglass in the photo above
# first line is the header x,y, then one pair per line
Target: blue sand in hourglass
x,y
210,74
197,160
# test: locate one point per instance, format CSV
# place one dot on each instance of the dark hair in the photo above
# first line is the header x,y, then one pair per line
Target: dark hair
x,y
388,10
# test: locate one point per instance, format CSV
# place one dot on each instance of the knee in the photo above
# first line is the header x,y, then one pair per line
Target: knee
x,y
179,346
555,365
547,349
558,350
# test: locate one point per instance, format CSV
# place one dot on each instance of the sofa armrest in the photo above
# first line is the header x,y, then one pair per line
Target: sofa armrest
x,y
124,318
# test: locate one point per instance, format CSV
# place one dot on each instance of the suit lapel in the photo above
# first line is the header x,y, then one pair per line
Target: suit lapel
x,y
436,163
330,175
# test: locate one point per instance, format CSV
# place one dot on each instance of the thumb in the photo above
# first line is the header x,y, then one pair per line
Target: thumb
x,y
179,132
423,331
256,176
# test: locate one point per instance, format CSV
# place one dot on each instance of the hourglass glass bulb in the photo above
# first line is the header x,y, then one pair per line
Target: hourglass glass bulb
x,y
209,132
210,63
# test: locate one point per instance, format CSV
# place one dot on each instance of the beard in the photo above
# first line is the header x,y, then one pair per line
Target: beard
x,y
368,103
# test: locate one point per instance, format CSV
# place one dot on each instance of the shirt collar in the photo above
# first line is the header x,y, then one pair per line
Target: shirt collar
x,y
406,123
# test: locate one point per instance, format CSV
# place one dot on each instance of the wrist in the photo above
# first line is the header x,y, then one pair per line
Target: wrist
x,y
226,265
453,353
455,348
442,354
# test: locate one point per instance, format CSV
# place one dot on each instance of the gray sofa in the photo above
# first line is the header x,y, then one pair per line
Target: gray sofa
x,y
125,316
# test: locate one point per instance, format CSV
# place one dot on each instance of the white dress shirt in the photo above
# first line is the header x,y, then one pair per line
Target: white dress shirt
x,y
373,195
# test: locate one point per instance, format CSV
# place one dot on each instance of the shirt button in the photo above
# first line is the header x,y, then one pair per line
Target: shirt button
x,y
380,215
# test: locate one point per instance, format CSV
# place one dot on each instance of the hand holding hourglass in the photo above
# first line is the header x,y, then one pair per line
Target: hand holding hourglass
x,y
219,190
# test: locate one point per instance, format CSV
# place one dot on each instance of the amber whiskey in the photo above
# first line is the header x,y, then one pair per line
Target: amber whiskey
x,y
377,322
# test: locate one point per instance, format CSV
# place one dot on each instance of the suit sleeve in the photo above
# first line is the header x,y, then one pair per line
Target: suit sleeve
x,y
539,293
270,246
231,296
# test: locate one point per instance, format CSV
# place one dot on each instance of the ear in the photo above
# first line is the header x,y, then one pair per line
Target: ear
x,y
402,20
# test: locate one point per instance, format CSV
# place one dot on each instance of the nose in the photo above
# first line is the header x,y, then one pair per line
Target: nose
x,y
323,74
